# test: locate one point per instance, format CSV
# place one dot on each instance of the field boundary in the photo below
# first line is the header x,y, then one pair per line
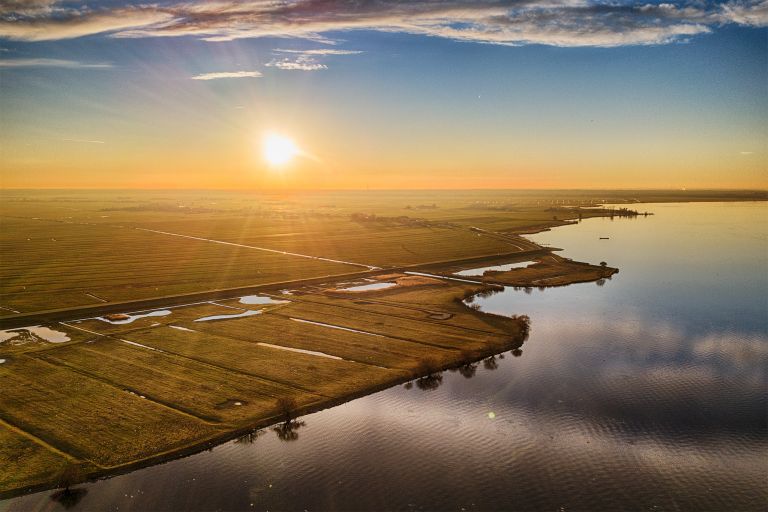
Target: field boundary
x,y
93,310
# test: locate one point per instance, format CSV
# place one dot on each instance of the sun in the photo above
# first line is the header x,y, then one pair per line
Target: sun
x,y
278,150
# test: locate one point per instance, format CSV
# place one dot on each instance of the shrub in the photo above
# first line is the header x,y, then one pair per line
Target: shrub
x,y
71,474
427,366
286,406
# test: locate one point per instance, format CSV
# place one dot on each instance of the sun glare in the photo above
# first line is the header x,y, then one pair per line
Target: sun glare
x,y
279,150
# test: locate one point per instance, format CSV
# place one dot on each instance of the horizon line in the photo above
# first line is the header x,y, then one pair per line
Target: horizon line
x,y
415,189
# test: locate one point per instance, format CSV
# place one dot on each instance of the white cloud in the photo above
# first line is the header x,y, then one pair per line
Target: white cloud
x,y
306,60
746,13
50,63
227,74
296,64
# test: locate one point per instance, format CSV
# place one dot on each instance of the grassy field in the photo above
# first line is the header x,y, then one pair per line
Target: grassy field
x,y
120,394
87,418
46,265
25,461
192,387
61,249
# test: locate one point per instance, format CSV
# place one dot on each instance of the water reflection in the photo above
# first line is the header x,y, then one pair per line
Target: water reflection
x,y
287,431
638,376
467,370
250,437
69,498
429,382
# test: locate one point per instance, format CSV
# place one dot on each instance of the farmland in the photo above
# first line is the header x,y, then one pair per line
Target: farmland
x,y
116,395
63,249
159,349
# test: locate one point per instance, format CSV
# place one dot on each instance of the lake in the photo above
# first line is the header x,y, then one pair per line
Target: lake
x,y
643,392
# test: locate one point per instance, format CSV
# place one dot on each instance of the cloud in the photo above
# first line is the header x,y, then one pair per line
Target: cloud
x,y
50,63
306,60
509,22
227,74
51,23
298,64
746,13
26,7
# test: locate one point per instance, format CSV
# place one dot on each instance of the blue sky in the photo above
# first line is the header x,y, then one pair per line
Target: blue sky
x,y
511,93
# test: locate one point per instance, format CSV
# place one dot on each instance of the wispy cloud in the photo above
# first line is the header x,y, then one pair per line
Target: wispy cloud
x,y
55,23
26,7
297,64
227,74
50,63
746,13
306,60
602,23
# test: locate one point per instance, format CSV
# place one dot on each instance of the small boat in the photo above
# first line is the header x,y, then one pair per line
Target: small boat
x,y
604,238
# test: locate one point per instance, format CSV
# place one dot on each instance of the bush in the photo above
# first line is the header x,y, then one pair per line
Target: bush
x,y
71,474
427,366
286,406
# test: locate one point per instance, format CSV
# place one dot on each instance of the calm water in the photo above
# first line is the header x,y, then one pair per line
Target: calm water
x,y
645,393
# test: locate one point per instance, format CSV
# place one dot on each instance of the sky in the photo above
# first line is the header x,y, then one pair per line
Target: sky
x,y
424,94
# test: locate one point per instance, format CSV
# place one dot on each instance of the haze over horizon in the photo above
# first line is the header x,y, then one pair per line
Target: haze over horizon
x,y
351,95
